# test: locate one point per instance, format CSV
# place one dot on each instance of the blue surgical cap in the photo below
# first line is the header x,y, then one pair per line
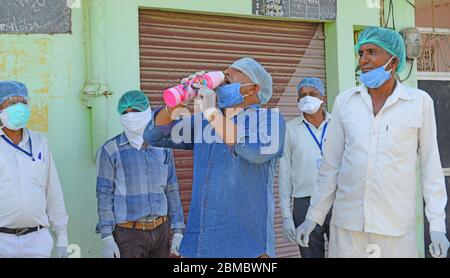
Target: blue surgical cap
x,y
312,82
258,74
388,39
133,99
12,89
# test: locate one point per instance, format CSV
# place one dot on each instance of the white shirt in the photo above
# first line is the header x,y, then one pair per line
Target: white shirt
x,y
298,166
368,173
30,191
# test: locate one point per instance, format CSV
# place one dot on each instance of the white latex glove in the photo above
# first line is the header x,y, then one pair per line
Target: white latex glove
x,y
439,245
206,101
303,232
289,229
61,252
185,80
176,241
110,248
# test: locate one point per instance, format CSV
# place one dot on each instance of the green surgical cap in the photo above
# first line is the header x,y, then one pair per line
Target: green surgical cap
x,y
133,99
390,40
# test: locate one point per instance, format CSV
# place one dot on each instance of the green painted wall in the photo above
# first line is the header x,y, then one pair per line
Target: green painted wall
x,y
339,44
55,67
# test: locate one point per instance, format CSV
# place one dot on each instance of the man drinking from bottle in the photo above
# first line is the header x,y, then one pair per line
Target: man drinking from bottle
x,y
235,149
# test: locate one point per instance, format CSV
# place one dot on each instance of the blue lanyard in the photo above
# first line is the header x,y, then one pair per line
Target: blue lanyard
x,y
320,144
30,154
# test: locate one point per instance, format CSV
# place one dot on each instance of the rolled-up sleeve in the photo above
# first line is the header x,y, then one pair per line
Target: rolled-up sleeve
x,y
261,141
433,181
175,208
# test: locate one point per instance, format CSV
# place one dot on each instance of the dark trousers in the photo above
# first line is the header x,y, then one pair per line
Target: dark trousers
x,y
316,244
143,244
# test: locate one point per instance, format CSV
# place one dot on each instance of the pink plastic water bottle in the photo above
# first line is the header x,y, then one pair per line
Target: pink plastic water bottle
x,y
181,92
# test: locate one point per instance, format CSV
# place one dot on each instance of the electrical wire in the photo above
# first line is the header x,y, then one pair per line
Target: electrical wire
x,y
410,70
388,16
391,9
411,4
393,13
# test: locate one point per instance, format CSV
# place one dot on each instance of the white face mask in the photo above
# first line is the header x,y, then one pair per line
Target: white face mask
x,y
310,105
134,124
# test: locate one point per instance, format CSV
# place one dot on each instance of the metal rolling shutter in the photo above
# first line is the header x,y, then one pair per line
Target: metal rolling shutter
x,y
174,45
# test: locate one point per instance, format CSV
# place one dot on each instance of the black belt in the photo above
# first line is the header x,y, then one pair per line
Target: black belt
x,y
20,231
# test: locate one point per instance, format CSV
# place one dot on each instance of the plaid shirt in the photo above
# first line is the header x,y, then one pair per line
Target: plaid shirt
x,y
132,184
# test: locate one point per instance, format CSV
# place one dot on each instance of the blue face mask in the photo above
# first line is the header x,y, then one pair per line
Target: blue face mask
x,y
15,117
230,95
377,77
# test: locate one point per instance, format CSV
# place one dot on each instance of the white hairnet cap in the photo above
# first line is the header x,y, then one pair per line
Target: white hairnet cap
x,y
258,74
